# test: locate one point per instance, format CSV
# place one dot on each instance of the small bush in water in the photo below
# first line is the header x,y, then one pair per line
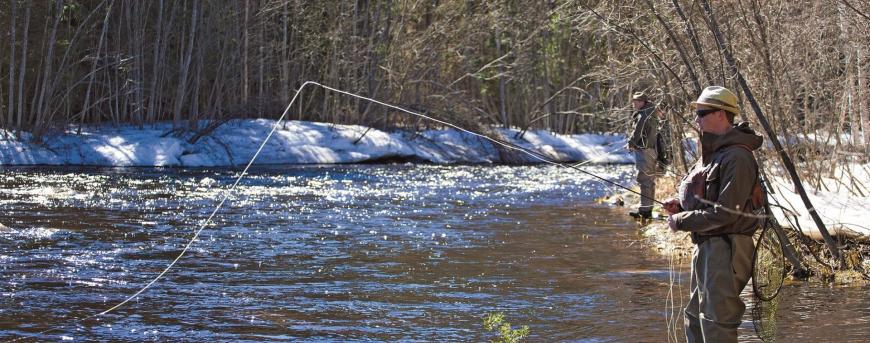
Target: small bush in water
x,y
505,334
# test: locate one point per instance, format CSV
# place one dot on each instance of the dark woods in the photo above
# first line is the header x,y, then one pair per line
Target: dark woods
x,y
566,66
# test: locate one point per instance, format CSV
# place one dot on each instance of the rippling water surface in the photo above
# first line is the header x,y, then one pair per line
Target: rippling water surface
x,y
346,253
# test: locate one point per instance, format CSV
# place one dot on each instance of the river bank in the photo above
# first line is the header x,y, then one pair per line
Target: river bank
x,y
813,253
234,143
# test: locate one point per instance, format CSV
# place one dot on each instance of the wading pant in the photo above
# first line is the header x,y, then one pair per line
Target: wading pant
x,y
721,267
645,162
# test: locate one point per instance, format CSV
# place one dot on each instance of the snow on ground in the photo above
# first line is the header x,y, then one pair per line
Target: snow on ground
x,y
598,148
844,213
296,142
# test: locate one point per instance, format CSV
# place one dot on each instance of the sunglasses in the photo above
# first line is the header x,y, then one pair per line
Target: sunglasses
x,y
702,113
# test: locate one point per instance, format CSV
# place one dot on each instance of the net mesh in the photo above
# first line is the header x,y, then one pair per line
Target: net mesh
x,y
768,274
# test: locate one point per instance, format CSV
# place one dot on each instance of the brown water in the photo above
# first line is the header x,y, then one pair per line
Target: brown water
x,y
348,253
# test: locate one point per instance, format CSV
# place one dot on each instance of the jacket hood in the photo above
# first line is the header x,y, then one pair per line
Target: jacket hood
x,y
740,134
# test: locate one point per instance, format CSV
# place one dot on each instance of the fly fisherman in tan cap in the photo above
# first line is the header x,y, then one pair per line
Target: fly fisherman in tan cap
x,y
712,200
643,144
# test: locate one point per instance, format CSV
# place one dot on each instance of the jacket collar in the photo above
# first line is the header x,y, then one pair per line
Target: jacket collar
x,y
739,134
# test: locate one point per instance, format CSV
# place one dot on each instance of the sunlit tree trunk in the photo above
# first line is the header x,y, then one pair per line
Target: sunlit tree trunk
x,y
863,98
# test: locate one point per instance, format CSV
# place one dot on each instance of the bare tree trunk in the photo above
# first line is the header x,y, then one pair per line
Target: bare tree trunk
x,y
375,40
284,54
693,37
501,86
3,125
156,62
245,54
115,85
261,41
53,100
23,66
193,116
682,52
212,102
215,98
185,67
863,100
138,42
47,71
93,74
846,46
35,83
10,105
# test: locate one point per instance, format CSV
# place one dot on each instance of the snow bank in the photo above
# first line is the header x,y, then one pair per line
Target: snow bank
x,y
843,213
598,148
296,142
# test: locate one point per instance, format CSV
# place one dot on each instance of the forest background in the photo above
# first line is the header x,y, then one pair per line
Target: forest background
x,y
565,66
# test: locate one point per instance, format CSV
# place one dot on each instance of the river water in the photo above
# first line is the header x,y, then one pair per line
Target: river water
x,y
349,253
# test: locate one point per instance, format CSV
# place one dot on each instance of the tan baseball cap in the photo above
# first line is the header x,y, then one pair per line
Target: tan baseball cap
x,y
639,96
718,97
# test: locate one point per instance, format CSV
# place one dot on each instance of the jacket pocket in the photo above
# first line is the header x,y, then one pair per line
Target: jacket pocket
x,y
712,183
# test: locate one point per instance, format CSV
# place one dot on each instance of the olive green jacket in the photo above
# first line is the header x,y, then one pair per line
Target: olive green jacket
x,y
731,171
646,127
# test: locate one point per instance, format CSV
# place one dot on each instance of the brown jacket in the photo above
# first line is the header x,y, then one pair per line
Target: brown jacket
x,y
731,172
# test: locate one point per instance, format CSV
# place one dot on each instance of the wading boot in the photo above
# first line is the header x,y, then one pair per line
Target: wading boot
x,y
641,214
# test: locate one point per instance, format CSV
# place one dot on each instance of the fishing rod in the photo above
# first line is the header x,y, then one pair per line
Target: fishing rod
x,y
587,161
534,154
275,126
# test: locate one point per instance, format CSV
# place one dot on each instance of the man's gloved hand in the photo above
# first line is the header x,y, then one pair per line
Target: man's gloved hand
x,y
672,206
